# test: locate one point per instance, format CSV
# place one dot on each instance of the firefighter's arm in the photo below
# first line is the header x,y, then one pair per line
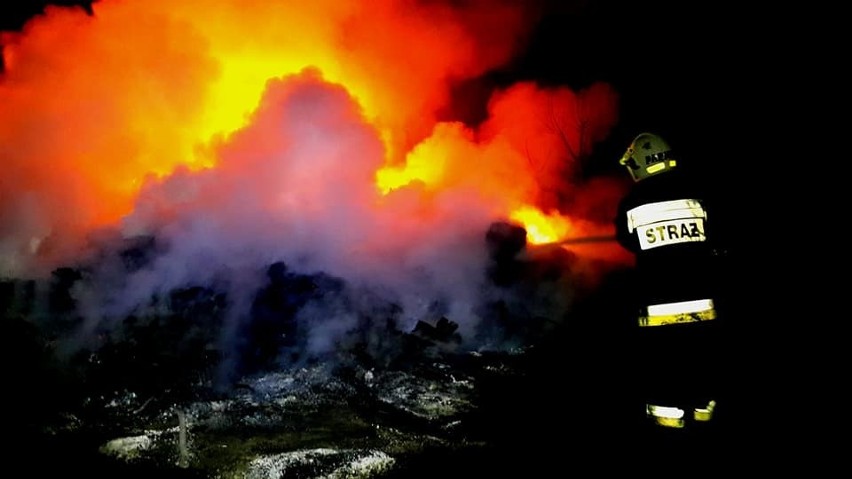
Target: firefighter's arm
x,y
625,238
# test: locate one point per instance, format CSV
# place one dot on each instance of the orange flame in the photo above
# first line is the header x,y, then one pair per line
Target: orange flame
x,y
541,228
94,106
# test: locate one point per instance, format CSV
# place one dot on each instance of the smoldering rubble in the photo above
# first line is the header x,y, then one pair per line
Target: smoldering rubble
x,y
288,389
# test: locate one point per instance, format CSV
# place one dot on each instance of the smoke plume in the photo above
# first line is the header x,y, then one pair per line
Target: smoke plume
x,y
242,134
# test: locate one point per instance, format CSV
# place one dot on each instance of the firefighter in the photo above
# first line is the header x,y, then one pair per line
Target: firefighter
x,y
666,222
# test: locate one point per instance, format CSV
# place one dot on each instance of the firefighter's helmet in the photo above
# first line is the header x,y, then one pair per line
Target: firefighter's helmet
x,y
648,155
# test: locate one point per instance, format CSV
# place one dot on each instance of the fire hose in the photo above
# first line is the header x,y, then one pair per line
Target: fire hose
x,y
533,250
583,239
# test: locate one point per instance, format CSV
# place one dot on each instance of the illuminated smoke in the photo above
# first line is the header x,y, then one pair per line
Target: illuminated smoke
x,y
240,133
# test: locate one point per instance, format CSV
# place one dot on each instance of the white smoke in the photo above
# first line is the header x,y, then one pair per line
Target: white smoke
x,y
297,185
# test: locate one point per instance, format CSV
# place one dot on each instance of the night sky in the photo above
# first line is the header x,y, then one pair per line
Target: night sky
x,y
677,66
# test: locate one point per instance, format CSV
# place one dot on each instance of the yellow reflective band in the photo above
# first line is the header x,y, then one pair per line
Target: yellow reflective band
x,y
669,422
682,312
655,168
664,211
677,318
672,163
666,416
706,413
680,307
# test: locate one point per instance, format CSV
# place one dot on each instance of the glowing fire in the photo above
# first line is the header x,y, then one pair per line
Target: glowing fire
x,y
541,228
94,107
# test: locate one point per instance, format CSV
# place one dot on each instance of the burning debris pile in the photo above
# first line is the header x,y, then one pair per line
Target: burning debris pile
x,y
295,235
